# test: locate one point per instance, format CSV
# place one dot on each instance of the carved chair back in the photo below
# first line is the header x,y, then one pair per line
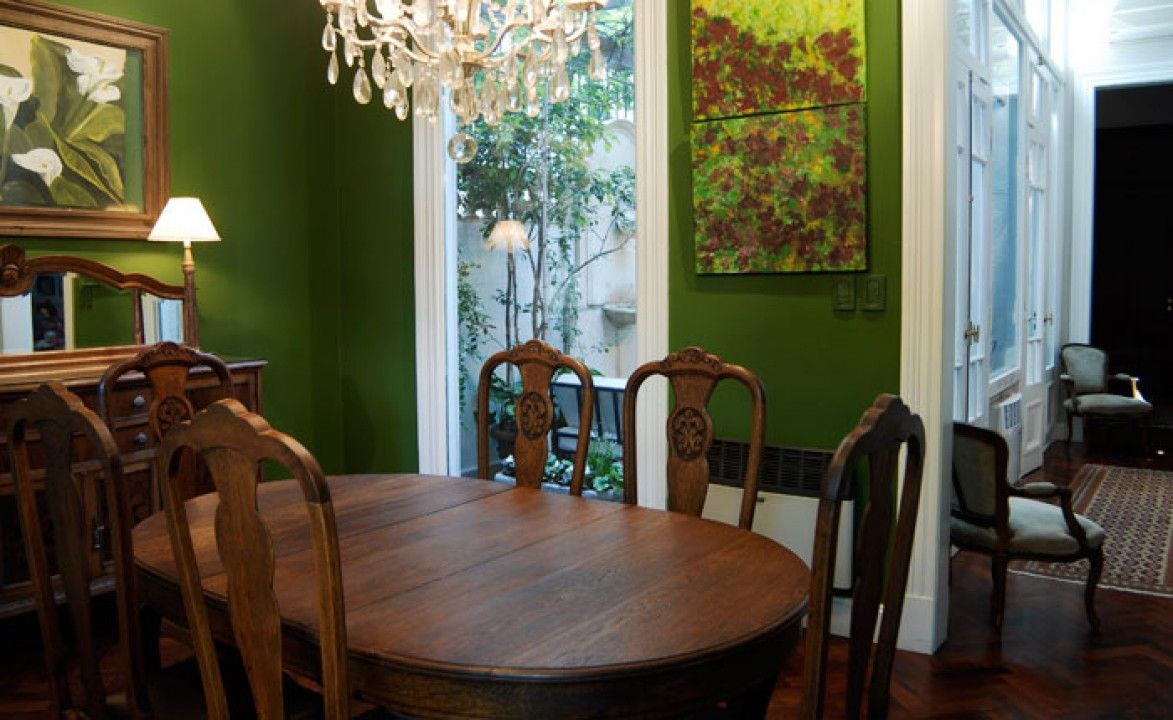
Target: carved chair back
x,y
166,367
72,487
232,443
884,429
534,418
693,375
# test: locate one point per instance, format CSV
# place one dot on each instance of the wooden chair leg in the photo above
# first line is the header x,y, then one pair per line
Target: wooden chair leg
x,y
1070,434
1096,567
998,600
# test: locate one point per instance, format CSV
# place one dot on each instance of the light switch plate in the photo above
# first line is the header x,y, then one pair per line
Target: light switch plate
x,y
845,293
875,289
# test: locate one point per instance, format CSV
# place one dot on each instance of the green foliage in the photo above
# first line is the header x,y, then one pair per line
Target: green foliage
x,y
536,170
475,328
604,471
63,141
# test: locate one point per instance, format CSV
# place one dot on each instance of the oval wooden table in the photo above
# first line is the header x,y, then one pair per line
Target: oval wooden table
x,y
468,598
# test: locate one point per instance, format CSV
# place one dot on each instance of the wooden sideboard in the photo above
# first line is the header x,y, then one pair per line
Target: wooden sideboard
x,y
80,371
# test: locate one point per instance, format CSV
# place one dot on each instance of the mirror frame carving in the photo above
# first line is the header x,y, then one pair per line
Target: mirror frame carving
x,y
18,271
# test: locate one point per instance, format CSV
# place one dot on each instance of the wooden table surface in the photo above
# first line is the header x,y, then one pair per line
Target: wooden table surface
x,y
468,598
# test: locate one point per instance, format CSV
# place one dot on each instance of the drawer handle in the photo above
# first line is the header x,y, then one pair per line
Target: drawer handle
x,y
140,440
138,401
761,499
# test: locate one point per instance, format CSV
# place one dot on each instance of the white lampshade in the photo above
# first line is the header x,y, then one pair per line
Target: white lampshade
x,y
184,220
508,235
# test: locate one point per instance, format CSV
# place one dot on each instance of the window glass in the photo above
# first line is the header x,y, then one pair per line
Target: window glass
x,y
1038,16
1004,320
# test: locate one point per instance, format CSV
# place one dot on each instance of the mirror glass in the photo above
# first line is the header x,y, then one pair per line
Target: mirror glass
x,y
67,311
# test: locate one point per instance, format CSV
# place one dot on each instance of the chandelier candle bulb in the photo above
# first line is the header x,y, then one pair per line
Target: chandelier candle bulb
x,y
473,48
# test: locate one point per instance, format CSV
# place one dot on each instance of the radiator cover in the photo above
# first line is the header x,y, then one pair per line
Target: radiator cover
x,y
788,490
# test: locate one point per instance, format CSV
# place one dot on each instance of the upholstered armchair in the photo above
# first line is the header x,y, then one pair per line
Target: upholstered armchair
x,y
1093,393
1008,522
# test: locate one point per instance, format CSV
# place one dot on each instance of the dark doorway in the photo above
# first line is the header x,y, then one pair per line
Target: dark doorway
x,y
1132,275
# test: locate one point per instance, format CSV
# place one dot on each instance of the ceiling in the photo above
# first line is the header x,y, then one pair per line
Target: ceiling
x,y
1141,19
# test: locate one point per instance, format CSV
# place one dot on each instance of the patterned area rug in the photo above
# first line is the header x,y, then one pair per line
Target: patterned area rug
x,y
1135,508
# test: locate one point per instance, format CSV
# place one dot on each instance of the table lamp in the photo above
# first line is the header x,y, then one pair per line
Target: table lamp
x,y
184,220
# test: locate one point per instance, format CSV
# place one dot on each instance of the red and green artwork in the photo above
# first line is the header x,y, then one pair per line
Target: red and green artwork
x,y
781,193
758,56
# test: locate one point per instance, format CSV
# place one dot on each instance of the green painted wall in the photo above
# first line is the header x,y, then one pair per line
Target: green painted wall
x,y
821,368
251,134
376,326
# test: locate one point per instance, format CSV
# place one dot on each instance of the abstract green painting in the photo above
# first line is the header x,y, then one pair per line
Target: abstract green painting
x,y
781,193
759,56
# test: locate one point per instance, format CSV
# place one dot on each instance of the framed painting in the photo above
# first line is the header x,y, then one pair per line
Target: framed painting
x,y
765,56
781,193
83,123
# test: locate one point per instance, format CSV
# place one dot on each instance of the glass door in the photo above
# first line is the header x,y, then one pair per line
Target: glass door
x,y
561,177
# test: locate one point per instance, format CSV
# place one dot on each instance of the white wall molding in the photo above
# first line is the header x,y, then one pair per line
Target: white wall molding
x,y
651,219
926,307
433,196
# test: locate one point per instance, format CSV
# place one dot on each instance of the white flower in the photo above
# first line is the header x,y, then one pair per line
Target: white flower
x,y
42,161
95,76
13,91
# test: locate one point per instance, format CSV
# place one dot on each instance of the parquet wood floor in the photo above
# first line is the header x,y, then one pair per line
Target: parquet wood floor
x,y
1045,665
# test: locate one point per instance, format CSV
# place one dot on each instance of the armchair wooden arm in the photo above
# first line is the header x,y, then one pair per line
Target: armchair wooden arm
x,y
1125,384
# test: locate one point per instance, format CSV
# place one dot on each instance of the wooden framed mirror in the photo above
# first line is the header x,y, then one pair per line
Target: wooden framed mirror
x,y
72,307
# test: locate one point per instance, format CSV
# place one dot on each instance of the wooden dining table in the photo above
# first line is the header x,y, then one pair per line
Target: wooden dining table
x,y
470,598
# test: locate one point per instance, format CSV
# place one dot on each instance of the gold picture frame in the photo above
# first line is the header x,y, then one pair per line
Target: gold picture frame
x,y
83,123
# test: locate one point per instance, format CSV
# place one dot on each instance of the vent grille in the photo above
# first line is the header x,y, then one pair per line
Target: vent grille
x,y
786,470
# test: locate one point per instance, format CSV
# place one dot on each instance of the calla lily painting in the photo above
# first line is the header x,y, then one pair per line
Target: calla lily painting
x,y
83,123
64,138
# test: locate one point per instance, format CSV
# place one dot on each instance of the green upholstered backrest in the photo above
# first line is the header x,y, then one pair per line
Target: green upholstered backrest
x,y
976,473
1087,366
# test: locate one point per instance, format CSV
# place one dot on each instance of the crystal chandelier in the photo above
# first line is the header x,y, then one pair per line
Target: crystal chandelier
x,y
491,55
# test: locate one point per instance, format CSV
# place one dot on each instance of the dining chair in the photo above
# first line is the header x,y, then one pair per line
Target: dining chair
x,y
71,490
1007,522
693,374
883,546
233,443
167,367
533,415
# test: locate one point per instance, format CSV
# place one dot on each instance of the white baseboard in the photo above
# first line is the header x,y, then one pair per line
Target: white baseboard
x,y
918,630
921,630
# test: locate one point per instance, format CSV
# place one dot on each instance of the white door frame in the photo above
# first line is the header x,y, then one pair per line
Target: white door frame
x,y
435,315
1083,181
927,289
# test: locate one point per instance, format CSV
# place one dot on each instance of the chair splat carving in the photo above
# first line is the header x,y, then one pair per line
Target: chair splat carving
x,y
536,362
880,576
693,375
70,495
232,442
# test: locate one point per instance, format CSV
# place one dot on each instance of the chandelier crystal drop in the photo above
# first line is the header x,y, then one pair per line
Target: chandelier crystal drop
x,y
490,55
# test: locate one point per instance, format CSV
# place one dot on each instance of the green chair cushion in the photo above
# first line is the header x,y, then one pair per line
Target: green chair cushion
x,y
1108,404
1036,528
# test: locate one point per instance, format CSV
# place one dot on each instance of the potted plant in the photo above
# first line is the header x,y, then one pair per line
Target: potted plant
x,y
502,414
